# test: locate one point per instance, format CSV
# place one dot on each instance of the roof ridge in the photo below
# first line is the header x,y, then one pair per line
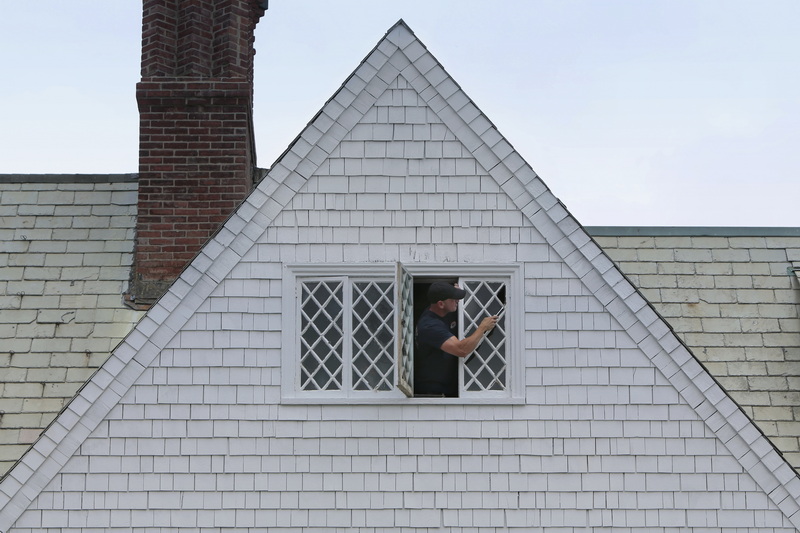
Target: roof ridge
x,y
68,178
693,231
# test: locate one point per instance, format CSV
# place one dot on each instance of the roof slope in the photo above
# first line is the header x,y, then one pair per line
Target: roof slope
x,y
732,295
67,244
399,56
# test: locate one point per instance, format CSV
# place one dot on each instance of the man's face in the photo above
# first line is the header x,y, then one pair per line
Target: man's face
x,y
450,305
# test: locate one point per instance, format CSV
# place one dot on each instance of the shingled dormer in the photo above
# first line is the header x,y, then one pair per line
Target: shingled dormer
x,y
196,148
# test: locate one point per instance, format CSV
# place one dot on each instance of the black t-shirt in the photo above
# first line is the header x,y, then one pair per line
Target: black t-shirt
x,y
435,371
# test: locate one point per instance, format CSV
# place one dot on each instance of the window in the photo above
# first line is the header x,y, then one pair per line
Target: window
x,y
487,368
347,322
351,334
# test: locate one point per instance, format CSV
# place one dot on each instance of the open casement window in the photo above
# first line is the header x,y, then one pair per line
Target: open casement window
x,y
405,329
354,329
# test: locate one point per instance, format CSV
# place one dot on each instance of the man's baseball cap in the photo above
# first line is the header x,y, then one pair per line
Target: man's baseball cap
x,y
441,290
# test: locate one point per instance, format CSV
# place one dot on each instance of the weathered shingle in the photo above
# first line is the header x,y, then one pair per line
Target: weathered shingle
x,y
731,294
66,251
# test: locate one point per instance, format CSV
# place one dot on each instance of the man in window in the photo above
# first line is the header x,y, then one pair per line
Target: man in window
x,y
438,345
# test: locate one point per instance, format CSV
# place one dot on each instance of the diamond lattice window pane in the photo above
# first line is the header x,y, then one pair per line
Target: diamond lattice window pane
x,y
373,335
321,335
405,353
487,369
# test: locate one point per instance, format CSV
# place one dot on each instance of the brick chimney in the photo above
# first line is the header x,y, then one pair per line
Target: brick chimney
x,y
196,144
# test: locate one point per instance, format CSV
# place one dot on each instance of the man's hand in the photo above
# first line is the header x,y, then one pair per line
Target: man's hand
x,y
488,323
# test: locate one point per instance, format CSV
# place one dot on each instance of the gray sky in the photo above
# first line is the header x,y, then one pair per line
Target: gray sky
x,y
670,112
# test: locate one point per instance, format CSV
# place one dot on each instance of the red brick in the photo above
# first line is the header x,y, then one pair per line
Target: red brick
x,y
195,102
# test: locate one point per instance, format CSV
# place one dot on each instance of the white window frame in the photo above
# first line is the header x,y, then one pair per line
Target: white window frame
x,y
294,274
465,329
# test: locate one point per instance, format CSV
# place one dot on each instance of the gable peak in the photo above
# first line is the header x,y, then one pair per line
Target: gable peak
x,y
400,23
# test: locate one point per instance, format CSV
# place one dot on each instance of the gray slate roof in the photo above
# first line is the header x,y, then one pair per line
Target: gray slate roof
x,y
733,295
65,256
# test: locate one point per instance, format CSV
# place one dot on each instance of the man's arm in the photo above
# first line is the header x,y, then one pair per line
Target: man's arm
x,y
465,346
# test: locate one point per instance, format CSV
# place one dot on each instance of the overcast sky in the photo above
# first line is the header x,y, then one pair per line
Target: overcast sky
x,y
644,113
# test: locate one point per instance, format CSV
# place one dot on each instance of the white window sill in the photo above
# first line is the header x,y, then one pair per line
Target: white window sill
x,y
403,401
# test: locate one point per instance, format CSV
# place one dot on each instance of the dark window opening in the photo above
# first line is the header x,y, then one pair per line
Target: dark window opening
x,y
427,373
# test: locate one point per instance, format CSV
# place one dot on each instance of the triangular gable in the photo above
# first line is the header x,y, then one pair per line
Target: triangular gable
x,y
398,56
